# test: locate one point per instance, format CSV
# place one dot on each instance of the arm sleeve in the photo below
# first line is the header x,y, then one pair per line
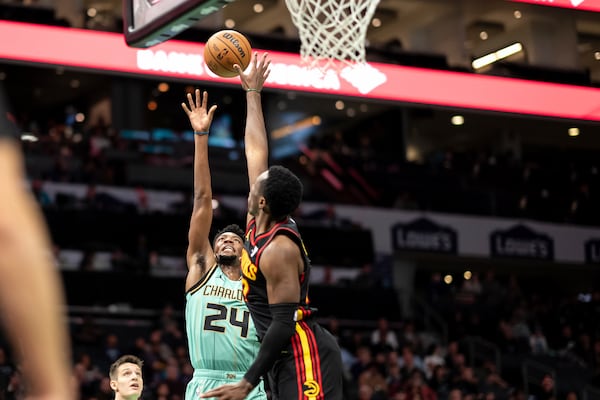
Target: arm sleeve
x,y
281,329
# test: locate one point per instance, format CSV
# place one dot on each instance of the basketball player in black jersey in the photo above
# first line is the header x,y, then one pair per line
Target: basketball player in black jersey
x,y
31,294
301,359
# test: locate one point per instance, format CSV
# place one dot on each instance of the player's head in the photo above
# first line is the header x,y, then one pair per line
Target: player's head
x,y
126,378
229,244
277,192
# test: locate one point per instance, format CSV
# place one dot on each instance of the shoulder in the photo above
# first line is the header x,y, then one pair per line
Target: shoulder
x,y
281,248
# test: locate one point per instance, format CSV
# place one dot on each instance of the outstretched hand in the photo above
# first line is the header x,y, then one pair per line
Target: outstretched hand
x,y
256,74
200,117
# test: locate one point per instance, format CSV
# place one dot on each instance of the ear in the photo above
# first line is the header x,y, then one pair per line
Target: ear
x,y
113,385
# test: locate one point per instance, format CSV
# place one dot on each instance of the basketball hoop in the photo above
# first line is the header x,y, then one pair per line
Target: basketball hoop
x,y
332,30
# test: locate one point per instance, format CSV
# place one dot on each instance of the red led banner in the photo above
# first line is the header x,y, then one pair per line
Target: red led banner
x,y
183,60
588,5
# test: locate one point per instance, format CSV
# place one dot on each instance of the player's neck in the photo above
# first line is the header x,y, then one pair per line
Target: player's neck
x,y
232,272
264,223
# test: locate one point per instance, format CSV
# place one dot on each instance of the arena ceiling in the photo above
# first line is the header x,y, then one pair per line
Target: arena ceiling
x,y
405,24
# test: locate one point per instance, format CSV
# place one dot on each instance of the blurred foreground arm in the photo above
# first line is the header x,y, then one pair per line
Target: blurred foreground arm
x,y
31,296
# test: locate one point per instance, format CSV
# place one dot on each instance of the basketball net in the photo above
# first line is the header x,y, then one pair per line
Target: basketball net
x,y
332,31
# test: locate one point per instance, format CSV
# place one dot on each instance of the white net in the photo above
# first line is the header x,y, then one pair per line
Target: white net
x,y
332,30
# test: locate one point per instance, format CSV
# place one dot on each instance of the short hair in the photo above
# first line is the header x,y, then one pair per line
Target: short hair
x,y
128,358
232,228
282,191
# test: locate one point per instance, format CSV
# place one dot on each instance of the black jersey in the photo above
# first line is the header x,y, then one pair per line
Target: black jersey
x,y
255,285
310,367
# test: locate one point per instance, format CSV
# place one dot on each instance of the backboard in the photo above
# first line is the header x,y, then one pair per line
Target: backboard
x,y
149,22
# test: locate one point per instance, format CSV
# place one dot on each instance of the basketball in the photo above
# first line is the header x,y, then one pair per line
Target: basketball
x,y
224,49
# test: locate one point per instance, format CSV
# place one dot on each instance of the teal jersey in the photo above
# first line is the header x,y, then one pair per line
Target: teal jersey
x,y
221,334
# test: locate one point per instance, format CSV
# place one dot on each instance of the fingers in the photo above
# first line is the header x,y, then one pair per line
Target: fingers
x,y
197,103
211,112
185,108
209,394
191,102
204,97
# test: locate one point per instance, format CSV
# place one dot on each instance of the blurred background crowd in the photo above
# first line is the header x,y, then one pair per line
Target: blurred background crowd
x,y
109,160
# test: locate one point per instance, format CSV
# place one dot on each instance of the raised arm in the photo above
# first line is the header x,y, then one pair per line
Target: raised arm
x,y
255,135
200,255
32,303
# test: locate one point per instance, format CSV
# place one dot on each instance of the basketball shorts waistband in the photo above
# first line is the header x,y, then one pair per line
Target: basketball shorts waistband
x,y
233,376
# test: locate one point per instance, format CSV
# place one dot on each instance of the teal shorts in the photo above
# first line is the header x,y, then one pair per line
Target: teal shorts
x,y
205,380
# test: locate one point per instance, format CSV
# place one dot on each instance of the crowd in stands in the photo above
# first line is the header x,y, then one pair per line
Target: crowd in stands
x,y
384,359
540,183
549,186
400,359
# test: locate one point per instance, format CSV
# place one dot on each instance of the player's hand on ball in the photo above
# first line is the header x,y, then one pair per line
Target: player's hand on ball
x,y
200,116
256,74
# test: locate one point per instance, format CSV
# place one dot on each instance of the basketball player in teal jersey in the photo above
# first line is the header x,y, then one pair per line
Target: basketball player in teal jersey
x,y
301,359
222,339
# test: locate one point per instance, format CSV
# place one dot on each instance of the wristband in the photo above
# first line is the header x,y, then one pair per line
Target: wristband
x,y
201,133
252,90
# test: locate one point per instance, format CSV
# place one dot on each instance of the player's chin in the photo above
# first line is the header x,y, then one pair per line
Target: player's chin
x,y
135,390
228,259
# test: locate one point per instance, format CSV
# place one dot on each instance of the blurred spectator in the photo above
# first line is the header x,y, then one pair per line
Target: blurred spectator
x,y
87,261
120,261
494,384
440,382
467,382
409,361
6,371
366,278
384,338
364,358
394,379
172,377
409,336
417,389
373,377
140,349
566,342
87,375
583,349
538,342
162,392
433,358
545,391
111,352
104,391
16,387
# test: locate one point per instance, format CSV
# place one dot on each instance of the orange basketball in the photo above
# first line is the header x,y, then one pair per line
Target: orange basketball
x,y
224,49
